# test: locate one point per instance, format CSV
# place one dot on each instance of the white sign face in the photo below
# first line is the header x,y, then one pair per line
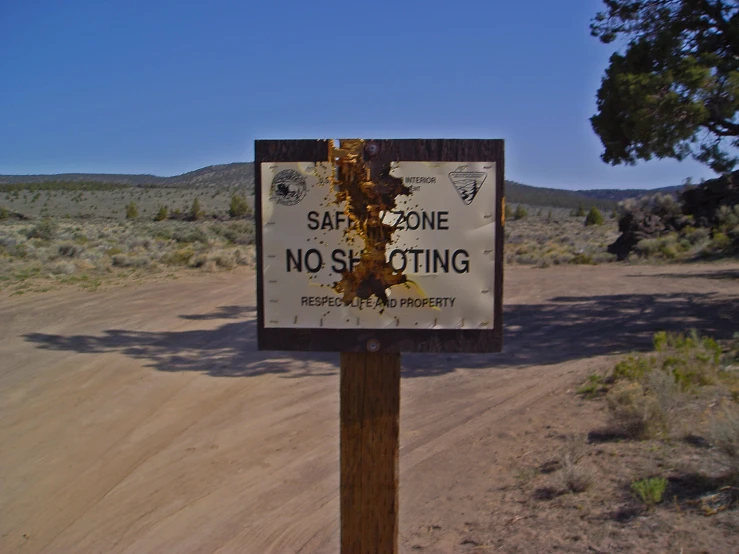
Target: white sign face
x,y
444,244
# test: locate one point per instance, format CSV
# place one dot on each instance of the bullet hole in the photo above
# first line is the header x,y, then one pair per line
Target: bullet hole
x,y
365,200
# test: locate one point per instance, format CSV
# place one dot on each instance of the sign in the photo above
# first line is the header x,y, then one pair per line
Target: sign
x,y
398,245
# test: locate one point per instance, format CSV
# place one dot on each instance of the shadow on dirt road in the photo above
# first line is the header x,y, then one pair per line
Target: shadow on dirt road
x,y
562,329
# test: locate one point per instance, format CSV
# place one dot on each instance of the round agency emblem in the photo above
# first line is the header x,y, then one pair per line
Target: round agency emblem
x,y
289,187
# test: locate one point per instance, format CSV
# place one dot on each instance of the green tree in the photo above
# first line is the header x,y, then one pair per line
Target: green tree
x,y
520,212
239,206
196,211
132,211
579,212
673,90
162,213
594,217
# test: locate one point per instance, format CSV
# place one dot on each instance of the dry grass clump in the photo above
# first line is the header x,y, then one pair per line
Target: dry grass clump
x,y
723,433
575,477
635,411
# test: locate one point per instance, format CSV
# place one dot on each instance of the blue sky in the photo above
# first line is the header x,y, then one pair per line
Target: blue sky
x,y
166,87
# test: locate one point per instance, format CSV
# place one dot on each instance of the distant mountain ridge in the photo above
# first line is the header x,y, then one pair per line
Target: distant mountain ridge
x,y
241,174
623,194
518,193
212,176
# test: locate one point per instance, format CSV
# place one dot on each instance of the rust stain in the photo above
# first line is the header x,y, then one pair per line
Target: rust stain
x,y
365,201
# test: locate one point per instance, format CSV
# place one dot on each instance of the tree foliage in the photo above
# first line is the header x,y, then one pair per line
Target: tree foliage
x,y
196,211
673,90
520,212
162,214
239,207
594,217
132,211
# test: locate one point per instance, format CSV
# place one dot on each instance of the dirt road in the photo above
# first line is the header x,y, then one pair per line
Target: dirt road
x,y
141,419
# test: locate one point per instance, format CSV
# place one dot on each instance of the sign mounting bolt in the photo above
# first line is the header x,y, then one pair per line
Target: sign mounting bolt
x,y
373,345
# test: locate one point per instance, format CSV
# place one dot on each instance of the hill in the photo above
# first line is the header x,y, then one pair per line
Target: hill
x,y
622,194
212,176
226,176
216,176
517,193
112,178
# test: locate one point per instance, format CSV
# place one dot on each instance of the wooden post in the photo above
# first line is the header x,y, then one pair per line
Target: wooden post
x,y
370,423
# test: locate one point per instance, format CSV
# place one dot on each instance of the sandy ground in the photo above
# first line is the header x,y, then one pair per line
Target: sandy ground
x,y
142,419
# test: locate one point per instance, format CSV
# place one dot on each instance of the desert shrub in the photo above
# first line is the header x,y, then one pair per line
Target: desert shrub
x,y
579,212
582,259
724,435
8,241
728,218
132,211
666,391
634,411
69,250
594,217
239,207
243,258
44,230
237,232
4,213
574,477
179,257
633,368
662,247
223,259
692,360
520,212
199,260
161,215
63,268
122,260
188,235
650,388
719,243
138,241
696,235
593,386
21,250
650,491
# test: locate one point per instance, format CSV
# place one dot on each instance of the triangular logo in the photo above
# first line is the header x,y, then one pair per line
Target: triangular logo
x,y
467,183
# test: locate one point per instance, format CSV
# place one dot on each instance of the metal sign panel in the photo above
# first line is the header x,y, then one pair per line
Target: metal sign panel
x,y
383,245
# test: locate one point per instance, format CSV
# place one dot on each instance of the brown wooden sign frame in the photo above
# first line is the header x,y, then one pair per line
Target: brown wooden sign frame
x,y
388,340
